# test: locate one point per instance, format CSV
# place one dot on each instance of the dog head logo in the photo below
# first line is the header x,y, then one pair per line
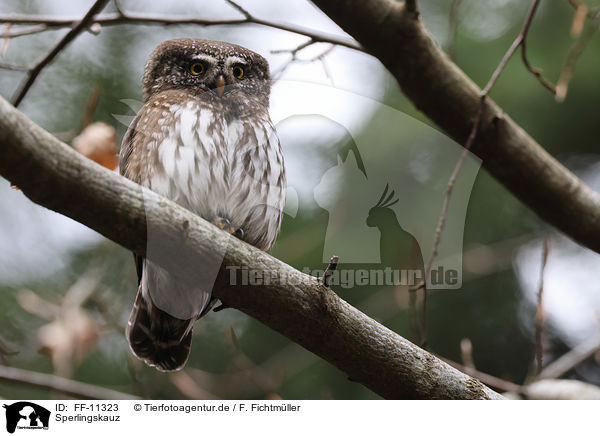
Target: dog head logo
x,y
26,415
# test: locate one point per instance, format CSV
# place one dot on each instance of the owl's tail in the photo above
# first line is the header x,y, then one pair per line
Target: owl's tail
x,y
158,338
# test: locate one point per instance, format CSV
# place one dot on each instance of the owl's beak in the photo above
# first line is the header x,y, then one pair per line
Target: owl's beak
x,y
220,85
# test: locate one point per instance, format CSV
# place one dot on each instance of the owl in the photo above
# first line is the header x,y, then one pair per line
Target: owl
x,y
203,139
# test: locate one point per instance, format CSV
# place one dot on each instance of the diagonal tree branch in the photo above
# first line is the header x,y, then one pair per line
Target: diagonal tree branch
x,y
519,41
77,28
59,384
138,18
294,304
448,97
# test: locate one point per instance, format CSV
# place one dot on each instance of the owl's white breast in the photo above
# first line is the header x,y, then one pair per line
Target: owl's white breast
x,y
205,161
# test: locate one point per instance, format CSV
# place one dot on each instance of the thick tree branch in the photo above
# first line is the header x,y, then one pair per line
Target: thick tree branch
x,y
447,96
294,304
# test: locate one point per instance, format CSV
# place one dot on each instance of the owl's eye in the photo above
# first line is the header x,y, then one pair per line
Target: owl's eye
x,y
238,72
197,68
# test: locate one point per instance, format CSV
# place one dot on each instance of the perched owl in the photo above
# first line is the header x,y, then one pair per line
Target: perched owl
x,y
204,139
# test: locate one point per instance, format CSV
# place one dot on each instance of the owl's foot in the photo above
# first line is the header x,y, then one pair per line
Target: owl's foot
x,y
225,224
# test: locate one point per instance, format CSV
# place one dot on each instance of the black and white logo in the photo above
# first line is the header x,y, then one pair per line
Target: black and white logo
x,y
26,415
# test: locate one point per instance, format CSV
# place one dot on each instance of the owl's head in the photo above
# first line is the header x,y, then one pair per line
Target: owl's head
x,y
218,70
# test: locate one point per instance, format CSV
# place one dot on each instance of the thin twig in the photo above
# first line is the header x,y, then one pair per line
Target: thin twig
x,y
539,313
60,384
570,360
537,73
70,36
452,28
466,353
6,40
490,380
467,146
112,19
13,67
295,50
581,13
516,43
90,106
591,12
240,9
569,69
413,313
23,32
294,58
6,350
445,206
117,5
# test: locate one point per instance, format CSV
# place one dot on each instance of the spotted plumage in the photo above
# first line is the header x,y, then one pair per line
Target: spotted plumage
x,y
204,139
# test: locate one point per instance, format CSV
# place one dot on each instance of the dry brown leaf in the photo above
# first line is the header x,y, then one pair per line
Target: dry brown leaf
x,y
579,20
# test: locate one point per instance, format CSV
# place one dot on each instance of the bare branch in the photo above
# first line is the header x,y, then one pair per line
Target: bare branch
x,y
294,304
469,143
569,69
539,313
112,19
449,98
13,67
59,384
537,73
445,206
473,133
581,13
570,360
453,24
23,32
294,58
490,380
560,390
519,41
117,4
295,50
70,36
6,350
240,9
590,12
466,353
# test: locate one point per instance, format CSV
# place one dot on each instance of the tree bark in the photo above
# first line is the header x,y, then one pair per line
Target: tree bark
x,y
294,304
446,95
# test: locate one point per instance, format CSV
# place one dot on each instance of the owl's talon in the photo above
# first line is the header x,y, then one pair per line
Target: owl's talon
x,y
225,225
222,223
239,233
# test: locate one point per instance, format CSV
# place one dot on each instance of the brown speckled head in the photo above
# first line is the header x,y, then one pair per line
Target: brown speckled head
x,y
199,66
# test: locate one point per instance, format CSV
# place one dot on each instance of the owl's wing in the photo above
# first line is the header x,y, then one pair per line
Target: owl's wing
x,y
133,148
127,145
125,155
154,336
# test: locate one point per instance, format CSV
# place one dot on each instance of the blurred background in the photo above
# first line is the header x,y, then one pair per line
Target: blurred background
x,y
66,292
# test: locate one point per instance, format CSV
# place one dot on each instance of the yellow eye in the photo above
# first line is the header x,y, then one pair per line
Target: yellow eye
x,y
197,68
238,72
